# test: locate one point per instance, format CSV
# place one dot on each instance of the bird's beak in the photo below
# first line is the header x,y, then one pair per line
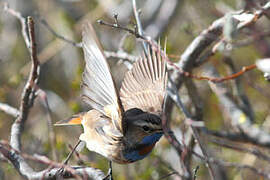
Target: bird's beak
x,y
159,131
162,132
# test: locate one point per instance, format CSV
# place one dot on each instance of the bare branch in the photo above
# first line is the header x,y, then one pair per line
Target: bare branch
x,y
28,94
257,171
254,151
22,21
13,152
193,52
43,96
168,175
207,37
244,101
9,110
109,54
249,132
118,26
175,143
139,24
172,92
176,67
52,172
46,24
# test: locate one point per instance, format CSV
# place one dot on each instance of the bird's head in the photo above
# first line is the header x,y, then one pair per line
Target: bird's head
x,y
142,127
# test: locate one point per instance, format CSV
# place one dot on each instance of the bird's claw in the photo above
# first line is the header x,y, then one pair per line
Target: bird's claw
x,y
109,174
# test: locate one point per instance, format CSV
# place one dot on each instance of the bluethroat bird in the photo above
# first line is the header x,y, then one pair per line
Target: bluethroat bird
x,y
122,126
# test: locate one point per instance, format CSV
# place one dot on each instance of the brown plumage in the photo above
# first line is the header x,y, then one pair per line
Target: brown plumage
x,y
125,126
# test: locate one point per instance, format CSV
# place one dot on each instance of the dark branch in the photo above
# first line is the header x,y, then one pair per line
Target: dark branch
x,y
118,26
46,24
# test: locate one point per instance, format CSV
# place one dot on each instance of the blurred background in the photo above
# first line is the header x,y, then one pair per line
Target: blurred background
x,y
180,21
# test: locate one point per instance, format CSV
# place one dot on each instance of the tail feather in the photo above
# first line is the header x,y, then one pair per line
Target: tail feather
x,y
73,120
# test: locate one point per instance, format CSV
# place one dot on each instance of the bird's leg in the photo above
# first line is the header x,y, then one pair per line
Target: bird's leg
x,y
110,170
71,153
65,162
109,174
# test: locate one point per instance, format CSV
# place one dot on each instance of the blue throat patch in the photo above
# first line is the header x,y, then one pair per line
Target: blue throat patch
x,y
134,155
152,138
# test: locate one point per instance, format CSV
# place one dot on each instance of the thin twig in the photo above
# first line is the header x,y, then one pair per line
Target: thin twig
x,y
168,166
252,39
207,37
191,54
108,54
175,143
168,175
235,137
239,120
43,96
195,172
233,165
124,55
22,21
139,24
174,65
254,151
172,92
72,151
244,102
46,24
256,170
213,79
118,26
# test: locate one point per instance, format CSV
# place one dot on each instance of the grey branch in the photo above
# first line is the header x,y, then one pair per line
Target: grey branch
x,y
28,94
9,110
13,153
139,24
239,120
22,21
52,172
173,93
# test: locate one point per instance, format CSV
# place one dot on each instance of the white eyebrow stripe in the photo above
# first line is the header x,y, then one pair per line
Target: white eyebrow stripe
x,y
145,123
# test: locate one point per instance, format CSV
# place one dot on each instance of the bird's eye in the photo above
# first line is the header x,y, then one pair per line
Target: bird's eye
x,y
146,128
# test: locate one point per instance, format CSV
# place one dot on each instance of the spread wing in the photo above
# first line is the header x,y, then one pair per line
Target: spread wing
x,y
144,86
98,88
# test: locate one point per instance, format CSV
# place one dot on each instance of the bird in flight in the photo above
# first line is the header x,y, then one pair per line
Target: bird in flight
x,y
122,126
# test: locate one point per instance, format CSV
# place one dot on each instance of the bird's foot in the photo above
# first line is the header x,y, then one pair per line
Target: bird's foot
x,y
60,171
109,174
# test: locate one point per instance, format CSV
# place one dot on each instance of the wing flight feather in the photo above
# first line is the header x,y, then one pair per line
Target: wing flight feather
x,y
98,88
144,86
